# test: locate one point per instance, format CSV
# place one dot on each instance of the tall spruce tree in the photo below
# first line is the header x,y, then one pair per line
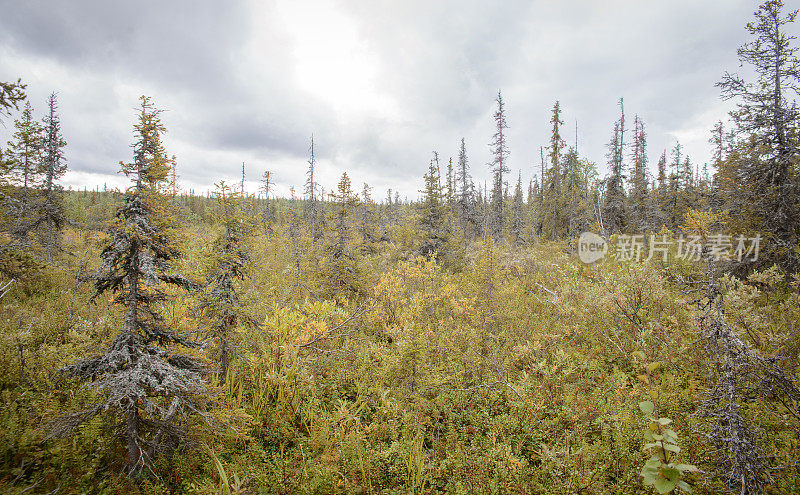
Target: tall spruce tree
x,y
761,184
557,142
311,207
432,212
614,215
638,198
143,375
577,211
675,202
343,272
297,287
241,189
661,193
25,155
266,213
49,215
717,141
499,166
720,152
687,196
465,194
450,193
552,212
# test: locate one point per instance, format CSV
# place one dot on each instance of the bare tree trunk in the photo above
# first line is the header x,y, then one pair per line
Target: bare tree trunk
x,y
21,353
132,433
50,240
224,360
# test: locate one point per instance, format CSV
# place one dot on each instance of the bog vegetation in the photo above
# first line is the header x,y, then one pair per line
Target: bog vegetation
x,y
158,341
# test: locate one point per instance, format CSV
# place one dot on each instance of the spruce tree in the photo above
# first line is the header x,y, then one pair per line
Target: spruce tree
x,y
687,196
50,217
761,184
557,143
241,187
662,170
675,203
717,141
11,94
661,193
222,307
465,194
450,184
614,215
552,211
432,212
173,178
311,210
389,208
499,166
143,376
367,222
720,153
293,231
266,213
637,200
343,272
25,154
576,209
517,225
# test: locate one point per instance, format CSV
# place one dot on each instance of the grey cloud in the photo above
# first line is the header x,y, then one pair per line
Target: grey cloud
x,y
230,98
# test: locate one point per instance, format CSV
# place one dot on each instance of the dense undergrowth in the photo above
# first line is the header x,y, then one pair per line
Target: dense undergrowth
x,y
493,370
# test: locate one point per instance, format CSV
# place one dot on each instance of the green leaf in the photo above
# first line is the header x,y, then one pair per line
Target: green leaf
x,y
672,448
649,474
670,473
647,407
664,421
663,485
685,486
690,468
654,462
670,435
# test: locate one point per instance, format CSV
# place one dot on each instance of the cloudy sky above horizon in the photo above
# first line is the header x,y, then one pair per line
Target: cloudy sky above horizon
x,y
381,84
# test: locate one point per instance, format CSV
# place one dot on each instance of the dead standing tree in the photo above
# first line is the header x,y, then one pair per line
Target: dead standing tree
x,y
738,375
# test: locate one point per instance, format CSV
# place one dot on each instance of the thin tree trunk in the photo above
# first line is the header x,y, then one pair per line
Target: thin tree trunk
x,y
132,433
224,359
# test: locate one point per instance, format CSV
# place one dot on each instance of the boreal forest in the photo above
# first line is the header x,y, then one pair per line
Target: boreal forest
x,y
609,326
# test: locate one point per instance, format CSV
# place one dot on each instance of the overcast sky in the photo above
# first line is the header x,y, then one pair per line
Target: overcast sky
x,y
380,84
